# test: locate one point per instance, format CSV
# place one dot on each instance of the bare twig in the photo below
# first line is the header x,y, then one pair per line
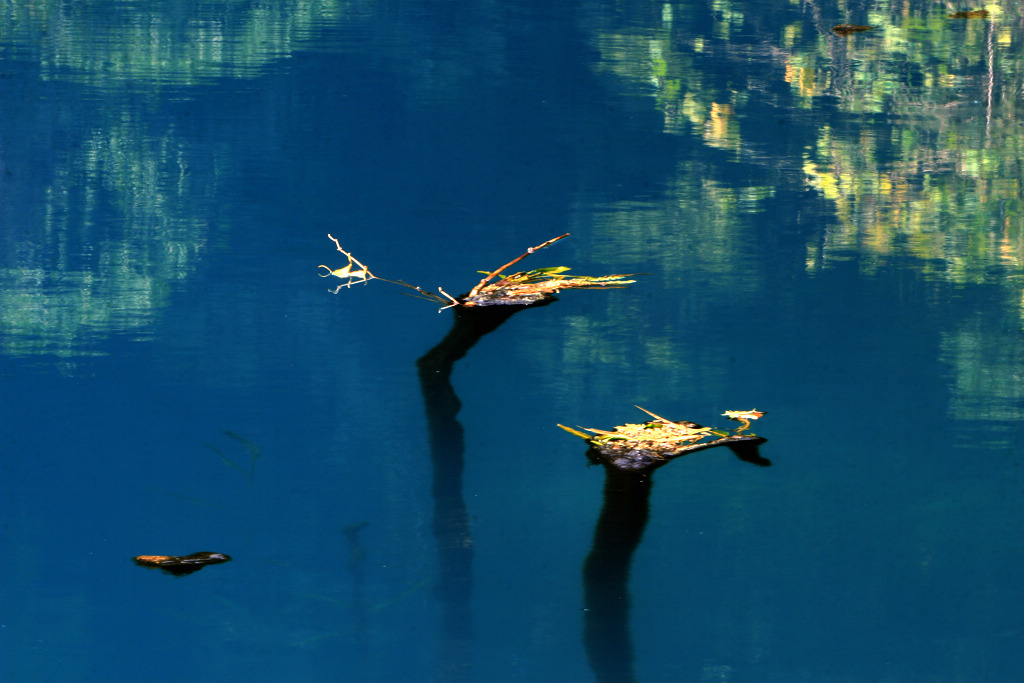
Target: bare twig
x,y
351,258
454,301
363,274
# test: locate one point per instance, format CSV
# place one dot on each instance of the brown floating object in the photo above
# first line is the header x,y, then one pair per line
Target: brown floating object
x,y
180,565
847,29
970,14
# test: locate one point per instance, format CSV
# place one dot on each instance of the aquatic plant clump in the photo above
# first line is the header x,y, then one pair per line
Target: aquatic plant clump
x,y
536,285
651,444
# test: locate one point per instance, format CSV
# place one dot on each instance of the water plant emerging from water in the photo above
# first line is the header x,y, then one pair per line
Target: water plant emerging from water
x,y
652,444
629,455
495,289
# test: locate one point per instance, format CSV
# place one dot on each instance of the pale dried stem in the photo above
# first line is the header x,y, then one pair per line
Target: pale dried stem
x,y
659,417
454,301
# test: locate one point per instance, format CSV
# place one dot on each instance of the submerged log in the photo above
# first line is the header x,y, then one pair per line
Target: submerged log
x,y
451,524
629,454
645,459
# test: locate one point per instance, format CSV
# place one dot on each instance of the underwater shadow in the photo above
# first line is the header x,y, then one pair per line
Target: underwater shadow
x,y
451,527
607,639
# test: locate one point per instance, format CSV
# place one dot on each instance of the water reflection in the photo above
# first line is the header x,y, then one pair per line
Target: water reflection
x,y
784,174
987,362
181,43
120,224
938,177
915,144
125,215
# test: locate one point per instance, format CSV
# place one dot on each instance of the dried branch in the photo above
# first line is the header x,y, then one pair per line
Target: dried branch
x,y
518,289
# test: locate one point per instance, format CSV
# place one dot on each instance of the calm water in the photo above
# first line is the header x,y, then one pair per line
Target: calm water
x,y
829,230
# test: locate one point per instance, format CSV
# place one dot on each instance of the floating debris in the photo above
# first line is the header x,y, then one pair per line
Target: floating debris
x,y
652,444
534,285
970,14
849,29
180,565
518,289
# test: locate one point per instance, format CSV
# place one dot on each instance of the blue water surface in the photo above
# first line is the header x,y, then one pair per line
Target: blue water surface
x,y
174,377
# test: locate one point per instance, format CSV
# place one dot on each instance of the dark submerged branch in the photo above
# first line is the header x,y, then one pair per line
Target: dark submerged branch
x,y
628,469
452,533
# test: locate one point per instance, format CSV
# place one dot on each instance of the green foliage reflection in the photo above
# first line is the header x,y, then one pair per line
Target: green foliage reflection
x,y
74,277
182,43
936,177
911,131
123,213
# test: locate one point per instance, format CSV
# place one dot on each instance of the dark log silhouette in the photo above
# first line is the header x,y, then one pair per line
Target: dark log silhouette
x,y
607,639
606,634
447,447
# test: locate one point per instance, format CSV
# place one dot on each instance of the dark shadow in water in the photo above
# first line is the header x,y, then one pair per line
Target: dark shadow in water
x,y
447,446
606,634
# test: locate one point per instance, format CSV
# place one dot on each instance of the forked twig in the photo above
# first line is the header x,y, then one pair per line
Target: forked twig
x,y
454,301
364,275
351,258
